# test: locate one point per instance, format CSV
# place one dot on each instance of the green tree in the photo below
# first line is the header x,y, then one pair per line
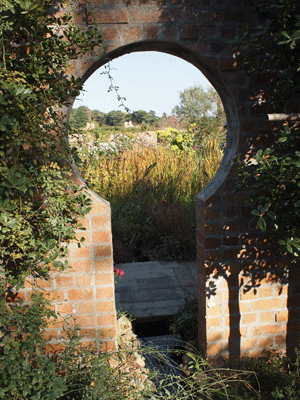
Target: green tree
x,y
272,182
80,117
115,118
152,117
200,106
98,116
139,116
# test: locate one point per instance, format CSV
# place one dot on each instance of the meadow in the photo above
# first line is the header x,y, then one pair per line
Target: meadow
x,y
151,188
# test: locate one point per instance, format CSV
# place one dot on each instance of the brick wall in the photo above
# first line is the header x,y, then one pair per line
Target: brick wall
x,y
239,312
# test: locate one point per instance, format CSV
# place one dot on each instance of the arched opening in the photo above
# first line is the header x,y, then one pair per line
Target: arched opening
x,y
232,130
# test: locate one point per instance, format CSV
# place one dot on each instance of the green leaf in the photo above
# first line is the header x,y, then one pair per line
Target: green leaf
x,y
262,224
255,212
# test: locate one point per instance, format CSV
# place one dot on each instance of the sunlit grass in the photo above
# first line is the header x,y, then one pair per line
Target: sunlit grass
x,y
152,190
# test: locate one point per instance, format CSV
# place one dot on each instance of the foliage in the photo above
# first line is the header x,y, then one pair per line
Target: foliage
x,y
278,377
75,371
115,118
178,141
39,205
142,116
272,181
152,191
186,323
98,116
26,372
202,107
274,45
79,117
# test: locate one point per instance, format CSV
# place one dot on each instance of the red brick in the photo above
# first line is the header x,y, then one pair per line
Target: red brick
x,y
65,308
104,265
213,322
86,307
282,316
84,235
80,294
214,349
55,295
101,237
104,279
247,344
80,266
108,319
249,318
83,280
80,252
214,336
267,317
85,320
133,34
105,306
102,251
116,16
64,281
266,342
144,15
151,32
217,47
104,293
170,32
102,221
50,334
100,207
271,329
261,305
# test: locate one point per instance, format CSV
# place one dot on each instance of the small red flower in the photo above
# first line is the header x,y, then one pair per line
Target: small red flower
x,y
118,272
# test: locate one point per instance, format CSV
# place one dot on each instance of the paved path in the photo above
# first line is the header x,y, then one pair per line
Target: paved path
x,y
155,288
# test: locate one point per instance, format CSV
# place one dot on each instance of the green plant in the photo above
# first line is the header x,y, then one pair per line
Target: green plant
x,y
39,204
152,191
272,183
178,141
270,176
186,323
26,371
201,107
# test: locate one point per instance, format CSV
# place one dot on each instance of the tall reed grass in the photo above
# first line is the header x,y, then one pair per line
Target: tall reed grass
x,y
152,191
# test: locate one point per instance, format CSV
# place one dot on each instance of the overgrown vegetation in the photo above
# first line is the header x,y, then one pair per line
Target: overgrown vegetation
x,y
272,182
151,190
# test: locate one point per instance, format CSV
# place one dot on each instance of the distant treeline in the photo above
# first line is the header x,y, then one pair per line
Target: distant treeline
x,y
82,115
199,106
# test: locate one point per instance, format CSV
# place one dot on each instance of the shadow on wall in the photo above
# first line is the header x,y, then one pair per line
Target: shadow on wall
x,y
263,299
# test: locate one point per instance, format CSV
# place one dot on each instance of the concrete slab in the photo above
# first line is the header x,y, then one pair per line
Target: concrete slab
x,y
155,289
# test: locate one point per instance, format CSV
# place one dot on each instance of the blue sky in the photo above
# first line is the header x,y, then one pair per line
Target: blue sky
x,y
148,81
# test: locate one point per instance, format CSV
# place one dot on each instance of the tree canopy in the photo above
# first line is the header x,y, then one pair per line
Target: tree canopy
x,y
202,107
115,118
80,117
